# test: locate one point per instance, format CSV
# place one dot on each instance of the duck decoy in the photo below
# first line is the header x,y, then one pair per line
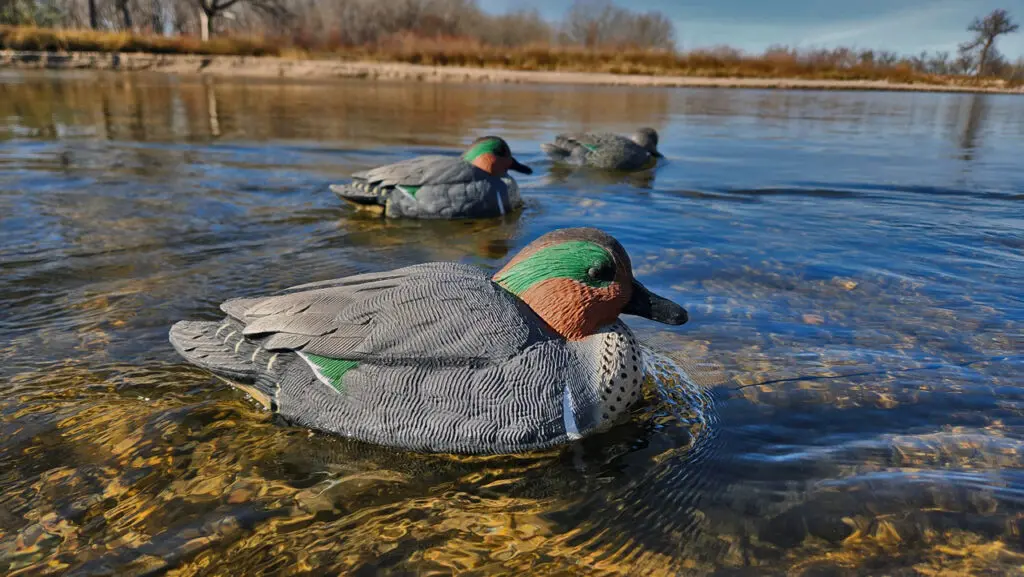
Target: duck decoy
x,y
441,357
474,185
605,150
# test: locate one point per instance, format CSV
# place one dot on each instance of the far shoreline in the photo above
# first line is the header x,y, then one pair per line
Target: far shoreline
x,y
296,69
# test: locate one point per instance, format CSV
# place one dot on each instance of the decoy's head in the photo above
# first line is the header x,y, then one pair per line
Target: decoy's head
x,y
492,154
579,280
648,138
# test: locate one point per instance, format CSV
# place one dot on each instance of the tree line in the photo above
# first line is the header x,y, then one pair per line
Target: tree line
x,y
595,24
591,23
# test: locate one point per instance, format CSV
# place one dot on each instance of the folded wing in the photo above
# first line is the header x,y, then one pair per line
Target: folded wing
x,y
431,169
443,313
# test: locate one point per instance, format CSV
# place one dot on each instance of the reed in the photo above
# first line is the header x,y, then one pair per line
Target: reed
x,y
70,40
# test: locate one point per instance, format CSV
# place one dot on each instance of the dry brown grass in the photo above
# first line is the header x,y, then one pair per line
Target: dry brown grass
x,y
714,63
51,40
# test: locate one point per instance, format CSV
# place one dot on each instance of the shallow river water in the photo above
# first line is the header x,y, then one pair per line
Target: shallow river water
x,y
853,264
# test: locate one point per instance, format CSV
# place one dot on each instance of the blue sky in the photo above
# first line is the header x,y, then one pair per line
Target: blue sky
x,y
906,26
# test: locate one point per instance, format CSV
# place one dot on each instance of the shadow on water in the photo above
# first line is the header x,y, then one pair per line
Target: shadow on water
x,y
576,177
850,262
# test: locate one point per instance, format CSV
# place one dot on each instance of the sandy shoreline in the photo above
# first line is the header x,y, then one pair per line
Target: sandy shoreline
x,y
268,67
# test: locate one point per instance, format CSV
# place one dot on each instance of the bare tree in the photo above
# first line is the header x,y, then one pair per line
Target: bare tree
x,y
94,22
595,23
517,29
986,30
15,12
587,22
939,63
157,16
654,30
29,12
208,10
126,14
1016,72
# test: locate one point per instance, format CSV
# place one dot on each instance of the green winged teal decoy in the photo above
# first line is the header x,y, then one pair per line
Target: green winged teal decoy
x,y
605,150
475,185
440,357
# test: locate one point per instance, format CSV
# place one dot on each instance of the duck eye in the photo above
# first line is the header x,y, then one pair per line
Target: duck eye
x,y
602,272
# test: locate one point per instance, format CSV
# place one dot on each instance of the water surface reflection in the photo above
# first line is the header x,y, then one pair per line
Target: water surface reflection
x,y
851,261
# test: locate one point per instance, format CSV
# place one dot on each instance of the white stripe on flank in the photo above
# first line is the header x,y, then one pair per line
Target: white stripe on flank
x,y
316,371
501,205
270,363
405,190
570,421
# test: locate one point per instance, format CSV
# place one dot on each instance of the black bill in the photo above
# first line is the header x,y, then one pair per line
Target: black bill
x,y
646,304
520,167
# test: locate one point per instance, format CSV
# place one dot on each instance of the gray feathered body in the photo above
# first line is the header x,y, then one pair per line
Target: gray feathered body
x,y
433,186
433,357
599,150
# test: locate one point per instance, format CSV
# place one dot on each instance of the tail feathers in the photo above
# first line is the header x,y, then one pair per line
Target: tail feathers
x,y
360,192
555,152
221,349
237,308
567,150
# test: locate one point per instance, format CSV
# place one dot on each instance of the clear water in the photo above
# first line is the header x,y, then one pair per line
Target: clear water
x,y
853,264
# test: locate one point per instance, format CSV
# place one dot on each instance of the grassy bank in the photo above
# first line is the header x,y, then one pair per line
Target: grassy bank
x,y
838,64
51,40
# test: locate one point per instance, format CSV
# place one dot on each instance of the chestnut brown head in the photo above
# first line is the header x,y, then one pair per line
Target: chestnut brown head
x,y
579,280
492,154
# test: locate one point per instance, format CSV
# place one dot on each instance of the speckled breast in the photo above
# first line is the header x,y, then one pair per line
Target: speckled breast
x,y
615,374
621,373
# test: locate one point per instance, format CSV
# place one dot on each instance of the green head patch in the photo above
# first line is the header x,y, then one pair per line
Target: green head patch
x,y
487,145
581,261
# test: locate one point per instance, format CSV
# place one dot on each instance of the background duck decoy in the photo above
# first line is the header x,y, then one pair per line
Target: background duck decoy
x,y
605,150
474,185
439,356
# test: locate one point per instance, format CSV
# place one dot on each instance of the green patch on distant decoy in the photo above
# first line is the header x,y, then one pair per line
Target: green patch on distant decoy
x,y
573,260
328,370
590,147
410,190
